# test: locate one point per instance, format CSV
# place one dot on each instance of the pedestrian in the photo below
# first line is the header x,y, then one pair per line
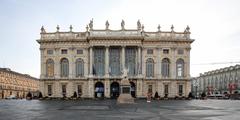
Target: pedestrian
x,y
149,96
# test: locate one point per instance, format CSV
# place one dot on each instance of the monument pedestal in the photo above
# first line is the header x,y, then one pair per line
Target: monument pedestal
x,y
125,95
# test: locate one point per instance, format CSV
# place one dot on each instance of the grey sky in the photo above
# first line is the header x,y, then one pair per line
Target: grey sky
x,y
214,25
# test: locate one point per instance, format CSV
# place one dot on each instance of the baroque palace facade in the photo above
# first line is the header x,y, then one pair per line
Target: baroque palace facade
x,y
17,84
220,81
90,63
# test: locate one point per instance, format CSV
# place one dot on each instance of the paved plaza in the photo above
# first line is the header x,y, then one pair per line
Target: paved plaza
x,y
110,110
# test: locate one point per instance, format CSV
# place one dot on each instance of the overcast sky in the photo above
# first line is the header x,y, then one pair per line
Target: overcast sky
x,y
214,24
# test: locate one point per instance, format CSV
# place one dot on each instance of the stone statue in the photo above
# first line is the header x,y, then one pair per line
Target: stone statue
x,y
122,24
138,25
159,27
58,28
70,28
172,27
125,72
43,30
91,24
107,25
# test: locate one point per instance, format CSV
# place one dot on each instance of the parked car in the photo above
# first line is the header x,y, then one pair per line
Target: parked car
x,y
11,97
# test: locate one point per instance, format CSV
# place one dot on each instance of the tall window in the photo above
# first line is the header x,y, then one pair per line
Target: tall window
x,y
64,67
180,68
150,67
50,68
99,62
180,90
165,67
130,61
114,59
49,90
79,67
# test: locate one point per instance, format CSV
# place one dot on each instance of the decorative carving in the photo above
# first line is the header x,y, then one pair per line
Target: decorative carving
x,y
187,29
87,28
138,25
107,25
122,24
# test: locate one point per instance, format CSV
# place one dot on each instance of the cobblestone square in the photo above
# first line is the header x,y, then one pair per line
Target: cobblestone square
x,y
109,110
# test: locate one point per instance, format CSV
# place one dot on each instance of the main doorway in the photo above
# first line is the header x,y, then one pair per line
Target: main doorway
x,y
99,90
114,90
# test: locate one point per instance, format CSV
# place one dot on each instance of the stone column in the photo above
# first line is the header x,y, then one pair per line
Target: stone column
x,y
139,61
139,88
107,88
71,62
90,61
123,57
159,61
173,64
187,64
43,64
107,62
57,64
90,88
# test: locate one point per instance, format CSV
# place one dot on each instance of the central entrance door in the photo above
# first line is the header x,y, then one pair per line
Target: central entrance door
x,y
114,90
99,90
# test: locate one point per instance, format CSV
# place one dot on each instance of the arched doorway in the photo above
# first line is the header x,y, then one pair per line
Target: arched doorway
x,y
114,90
133,89
99,90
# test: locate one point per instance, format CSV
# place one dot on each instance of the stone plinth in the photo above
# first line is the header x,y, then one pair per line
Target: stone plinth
x,y
125,95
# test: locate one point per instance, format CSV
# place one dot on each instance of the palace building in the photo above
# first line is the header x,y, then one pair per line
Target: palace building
x,y
91,63
16,84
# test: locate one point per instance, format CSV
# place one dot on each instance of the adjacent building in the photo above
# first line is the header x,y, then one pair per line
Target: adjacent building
x,y
220,81
90,63
16,84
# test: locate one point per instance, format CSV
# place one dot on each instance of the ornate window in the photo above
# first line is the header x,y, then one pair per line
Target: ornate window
x,y
130,61
79,67
165,67
64,51
114,59
64,67
99,62
180,68
80,51
50,68
150,68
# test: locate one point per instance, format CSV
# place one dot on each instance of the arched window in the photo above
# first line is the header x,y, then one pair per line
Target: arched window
x,y
79,67
64,67
150,68
165,67
180,68
50,68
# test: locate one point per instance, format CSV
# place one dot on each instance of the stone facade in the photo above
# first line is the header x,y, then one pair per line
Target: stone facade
x,y
220,81
103,53
17,84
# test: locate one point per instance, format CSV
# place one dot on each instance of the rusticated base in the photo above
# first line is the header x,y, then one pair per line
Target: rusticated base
x,y
125,99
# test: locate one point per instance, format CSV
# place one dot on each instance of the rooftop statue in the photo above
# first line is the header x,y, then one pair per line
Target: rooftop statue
x,y
91,24
122,24
107,25
138,25
159,27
